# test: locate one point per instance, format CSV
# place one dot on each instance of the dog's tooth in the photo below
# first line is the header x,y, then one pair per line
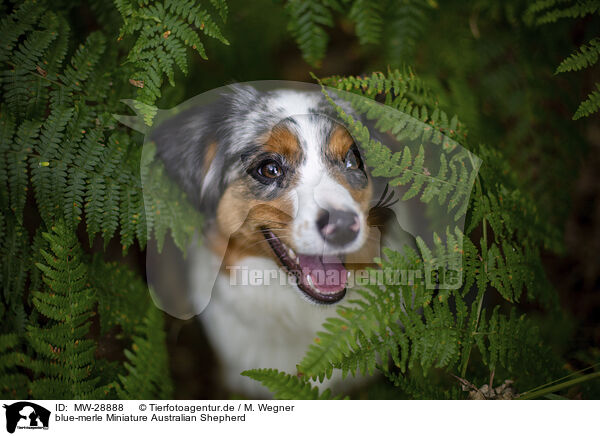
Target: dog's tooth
x,y
291,253
310,281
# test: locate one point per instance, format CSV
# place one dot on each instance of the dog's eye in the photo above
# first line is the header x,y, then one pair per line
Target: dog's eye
x,y
270,169
351,161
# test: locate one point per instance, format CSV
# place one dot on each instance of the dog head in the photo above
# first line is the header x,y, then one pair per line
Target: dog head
x,y
278,176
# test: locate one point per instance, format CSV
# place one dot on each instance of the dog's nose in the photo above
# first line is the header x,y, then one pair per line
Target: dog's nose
x,y
338,227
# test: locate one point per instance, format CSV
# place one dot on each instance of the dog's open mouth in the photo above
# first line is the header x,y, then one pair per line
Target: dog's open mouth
x,y
321,278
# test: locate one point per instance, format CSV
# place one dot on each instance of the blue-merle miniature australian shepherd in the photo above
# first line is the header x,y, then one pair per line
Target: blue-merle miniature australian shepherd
x,y
283,187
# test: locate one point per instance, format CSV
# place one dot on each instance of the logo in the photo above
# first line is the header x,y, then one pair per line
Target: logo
x,y
26,415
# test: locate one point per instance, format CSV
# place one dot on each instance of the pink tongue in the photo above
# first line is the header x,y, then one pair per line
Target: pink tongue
x,y
328,273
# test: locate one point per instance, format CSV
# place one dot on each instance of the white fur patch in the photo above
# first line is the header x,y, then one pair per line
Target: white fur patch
x,y
262,327
317,190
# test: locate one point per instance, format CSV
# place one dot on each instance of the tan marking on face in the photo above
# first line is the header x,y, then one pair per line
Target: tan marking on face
x,y
240,220
340,143
362,196
282,141
211,152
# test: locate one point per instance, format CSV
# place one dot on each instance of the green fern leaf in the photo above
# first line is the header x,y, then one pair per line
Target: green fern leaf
x,y
147,362
307,20
590,105
405,25
221,6
367,16
16,24
15,263
401,168
7,131
286,386
585,56
13,383
63,352
121,295
43,165
163,29
504,341
25,139
550,11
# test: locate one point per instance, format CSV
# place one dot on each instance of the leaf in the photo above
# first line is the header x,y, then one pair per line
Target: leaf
x,y
287,387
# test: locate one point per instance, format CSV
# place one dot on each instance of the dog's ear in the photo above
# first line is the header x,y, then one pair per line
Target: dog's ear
x,y
194,143
188,145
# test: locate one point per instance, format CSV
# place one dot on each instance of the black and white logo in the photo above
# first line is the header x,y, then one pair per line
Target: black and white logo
x,y
26,415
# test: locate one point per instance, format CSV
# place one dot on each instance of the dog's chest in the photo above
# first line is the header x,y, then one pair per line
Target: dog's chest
x,y
253,324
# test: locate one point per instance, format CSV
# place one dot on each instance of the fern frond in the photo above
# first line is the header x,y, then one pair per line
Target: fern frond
x,y
22,84
15,264
163,29
29,53
474,268
13,383
75,169
404,91
7,130
25,138
47,148
367,16
121,295
590,105
419,386
508,272
512,215
405,26
65,357
83,62
166,206
222,8
505,341
549,11
147,361
19,22
307,20
400,167
381,324
286,386
351,341
68,152
585,56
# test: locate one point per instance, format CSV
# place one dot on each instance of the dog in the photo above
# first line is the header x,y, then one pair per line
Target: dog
x,y
283,188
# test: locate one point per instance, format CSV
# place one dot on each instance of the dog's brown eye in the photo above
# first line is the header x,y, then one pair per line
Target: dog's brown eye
x,y
271,170
351,162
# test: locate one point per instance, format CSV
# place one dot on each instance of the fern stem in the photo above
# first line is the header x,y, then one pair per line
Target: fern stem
x,y
481,292
562,378
463,371
37,74
558,387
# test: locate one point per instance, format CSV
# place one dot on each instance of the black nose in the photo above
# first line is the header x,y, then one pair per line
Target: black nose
x,y
338,227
